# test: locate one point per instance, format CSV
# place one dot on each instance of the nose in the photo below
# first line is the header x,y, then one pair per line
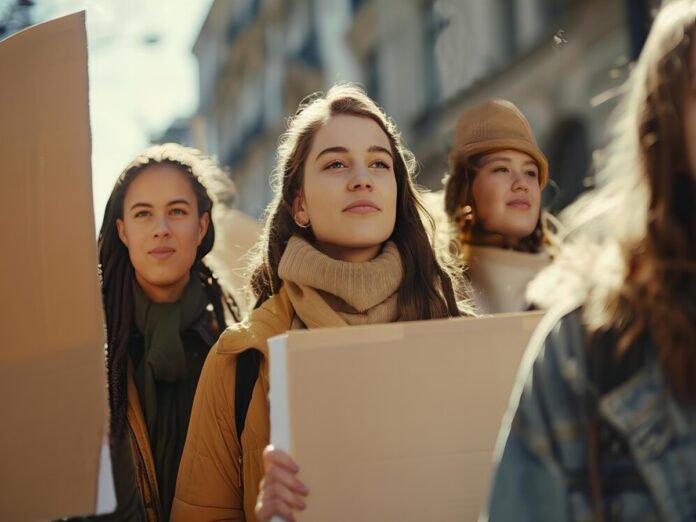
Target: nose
x,y
361,179
520,181
161,226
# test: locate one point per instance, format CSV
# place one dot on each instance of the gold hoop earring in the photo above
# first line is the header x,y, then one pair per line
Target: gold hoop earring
x,y
465,221
466,213
298,223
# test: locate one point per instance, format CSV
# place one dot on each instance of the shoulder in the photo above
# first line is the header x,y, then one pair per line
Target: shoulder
x,y
272,318
553,372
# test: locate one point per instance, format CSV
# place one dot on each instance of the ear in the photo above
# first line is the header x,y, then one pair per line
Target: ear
x,y
203,223
299,210
121,228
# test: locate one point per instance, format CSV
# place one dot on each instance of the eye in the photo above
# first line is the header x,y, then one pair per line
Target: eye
x,y
500,169
380,164
335,164
141,213
532,173
177,211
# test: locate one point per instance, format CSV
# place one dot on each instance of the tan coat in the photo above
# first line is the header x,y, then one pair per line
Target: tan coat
x,y
217,479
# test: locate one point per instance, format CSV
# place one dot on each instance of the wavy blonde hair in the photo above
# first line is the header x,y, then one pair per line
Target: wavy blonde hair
x,y
630,256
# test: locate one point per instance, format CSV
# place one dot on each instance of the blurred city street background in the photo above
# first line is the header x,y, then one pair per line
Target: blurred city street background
x,y
222,75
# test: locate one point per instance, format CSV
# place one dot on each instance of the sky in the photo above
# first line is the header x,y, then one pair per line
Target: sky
x,y
142,73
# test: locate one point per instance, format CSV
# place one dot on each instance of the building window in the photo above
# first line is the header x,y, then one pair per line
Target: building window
x,y
372,74
433,24
568,154
356,5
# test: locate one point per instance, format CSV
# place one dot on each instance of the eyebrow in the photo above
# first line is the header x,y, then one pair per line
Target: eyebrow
x,y
173,202
509,160
372,148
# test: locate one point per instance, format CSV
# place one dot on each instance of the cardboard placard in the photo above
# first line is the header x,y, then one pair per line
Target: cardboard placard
x,y
396,421
52,375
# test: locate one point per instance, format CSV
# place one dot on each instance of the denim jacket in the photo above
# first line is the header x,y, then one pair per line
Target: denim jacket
x,y
647,473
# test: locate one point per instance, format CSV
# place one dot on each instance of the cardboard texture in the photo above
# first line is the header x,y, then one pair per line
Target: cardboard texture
x,y
397,421
52,379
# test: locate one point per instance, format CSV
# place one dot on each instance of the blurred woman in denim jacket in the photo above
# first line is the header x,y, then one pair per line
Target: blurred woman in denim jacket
x,y
602,425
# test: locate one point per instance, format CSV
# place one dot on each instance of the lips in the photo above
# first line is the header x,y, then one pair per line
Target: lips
x,y
522,204
162,252
361,207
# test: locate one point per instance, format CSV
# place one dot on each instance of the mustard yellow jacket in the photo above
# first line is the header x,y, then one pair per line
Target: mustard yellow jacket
x,y
145,474
217,479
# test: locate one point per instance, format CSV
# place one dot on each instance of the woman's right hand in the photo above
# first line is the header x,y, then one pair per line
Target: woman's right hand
x,y
281,491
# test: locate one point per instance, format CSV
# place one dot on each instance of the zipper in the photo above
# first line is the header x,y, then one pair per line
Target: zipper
x,y
153,503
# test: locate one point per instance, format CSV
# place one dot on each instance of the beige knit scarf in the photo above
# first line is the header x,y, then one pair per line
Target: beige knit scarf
x,y
327,292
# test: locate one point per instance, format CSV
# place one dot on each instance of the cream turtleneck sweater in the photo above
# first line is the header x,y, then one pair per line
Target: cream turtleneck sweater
x,y
499,277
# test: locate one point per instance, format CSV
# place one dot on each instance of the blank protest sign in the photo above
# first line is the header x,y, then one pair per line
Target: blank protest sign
x,y
52,372
398,421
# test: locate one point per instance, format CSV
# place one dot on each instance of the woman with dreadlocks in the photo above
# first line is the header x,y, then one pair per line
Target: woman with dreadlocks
x,y
164,310
604,422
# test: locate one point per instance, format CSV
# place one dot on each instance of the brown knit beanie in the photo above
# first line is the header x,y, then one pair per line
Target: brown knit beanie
x,y
488,127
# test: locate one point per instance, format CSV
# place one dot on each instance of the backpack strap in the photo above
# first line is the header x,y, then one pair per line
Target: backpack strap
x,y
248,363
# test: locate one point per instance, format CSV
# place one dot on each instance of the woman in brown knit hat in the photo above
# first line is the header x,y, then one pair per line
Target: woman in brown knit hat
x,y
344,244
493,200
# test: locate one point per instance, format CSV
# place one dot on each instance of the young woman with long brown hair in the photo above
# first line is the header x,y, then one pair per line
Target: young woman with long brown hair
x,y
164,310
344,244
604,423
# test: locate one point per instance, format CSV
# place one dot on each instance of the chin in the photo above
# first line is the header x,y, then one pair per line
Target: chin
x,y
164,281
368,242
519,233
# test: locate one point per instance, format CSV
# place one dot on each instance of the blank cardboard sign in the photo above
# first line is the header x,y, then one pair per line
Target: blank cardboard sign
x,y
396,421
52,380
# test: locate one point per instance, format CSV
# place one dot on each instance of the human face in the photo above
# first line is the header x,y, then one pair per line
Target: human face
x,y
349,189
507,194
162,230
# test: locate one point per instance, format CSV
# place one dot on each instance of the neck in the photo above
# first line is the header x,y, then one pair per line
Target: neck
x,y
349,254
163,293
493,239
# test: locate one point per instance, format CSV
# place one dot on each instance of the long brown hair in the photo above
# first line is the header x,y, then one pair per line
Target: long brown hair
x,y
117,273
660,289
427,290
632,250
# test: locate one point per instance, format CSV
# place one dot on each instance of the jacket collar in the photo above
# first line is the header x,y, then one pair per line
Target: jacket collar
x,y
273,317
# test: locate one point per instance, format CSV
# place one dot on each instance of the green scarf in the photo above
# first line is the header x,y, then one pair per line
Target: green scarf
x,y
161,374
